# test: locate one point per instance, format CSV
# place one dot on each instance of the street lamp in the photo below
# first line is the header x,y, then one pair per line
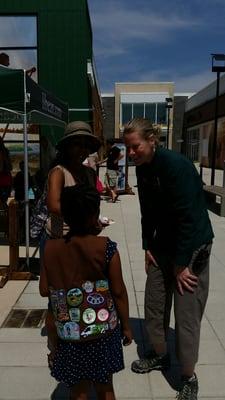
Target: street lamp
x,y
169,105
218,65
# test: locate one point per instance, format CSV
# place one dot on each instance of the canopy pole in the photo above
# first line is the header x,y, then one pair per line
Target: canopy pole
x,y
26,184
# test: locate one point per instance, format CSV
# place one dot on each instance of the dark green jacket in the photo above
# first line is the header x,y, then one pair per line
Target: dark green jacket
x,y
175,220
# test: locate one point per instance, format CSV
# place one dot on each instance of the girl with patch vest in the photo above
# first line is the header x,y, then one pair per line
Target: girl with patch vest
x,y
81,274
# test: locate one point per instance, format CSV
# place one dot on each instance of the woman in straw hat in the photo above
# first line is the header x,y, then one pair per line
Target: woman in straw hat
x,y
75,146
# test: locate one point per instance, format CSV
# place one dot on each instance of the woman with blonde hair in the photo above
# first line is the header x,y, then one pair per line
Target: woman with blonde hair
x,y
177,238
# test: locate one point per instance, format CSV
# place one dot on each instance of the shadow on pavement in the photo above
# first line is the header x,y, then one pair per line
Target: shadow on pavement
x,y
172,375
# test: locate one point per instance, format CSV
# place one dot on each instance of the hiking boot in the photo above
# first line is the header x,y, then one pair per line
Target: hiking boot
x,y
189,389
152,362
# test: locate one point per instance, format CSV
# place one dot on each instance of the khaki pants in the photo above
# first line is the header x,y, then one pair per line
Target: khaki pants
x,y
159,291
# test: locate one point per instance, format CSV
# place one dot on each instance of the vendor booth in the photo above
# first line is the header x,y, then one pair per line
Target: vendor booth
x,y
23,101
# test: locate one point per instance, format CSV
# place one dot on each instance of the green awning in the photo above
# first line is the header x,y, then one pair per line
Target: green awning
x,y
23,101
41,106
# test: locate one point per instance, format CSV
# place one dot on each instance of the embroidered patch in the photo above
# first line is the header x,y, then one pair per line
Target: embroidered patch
x,y
95,299
95,329
102,286
113,320
62,316
60,329
61,296
109,302
54,301
89,316
74,314
71,331
74,297
88,286
103,315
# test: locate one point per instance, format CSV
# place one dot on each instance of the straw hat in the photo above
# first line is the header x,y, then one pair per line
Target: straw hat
x,y
77,129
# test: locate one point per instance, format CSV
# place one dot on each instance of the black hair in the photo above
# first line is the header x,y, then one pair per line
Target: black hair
x,y
21,165
110,141
79,204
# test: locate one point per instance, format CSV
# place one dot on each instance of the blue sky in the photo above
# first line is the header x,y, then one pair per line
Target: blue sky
x,y
157,40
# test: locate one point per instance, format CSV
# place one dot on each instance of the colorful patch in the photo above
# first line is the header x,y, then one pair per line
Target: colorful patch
x,y
74,314
109,302
95,299
71,331
63,316
102,285
88,286
62,307
94,330
61,296
103,315
60,329
74,297
54,301
113,320
89,316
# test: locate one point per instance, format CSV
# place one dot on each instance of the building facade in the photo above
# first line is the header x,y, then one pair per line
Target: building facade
x,y
108,101
146,100
198,130
54,40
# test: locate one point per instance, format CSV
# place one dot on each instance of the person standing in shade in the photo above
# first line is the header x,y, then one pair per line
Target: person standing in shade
x,y
18,183
177,238
75,146
112,168
5,174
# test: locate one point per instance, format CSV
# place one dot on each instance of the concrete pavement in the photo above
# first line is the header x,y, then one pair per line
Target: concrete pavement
x,y
23,366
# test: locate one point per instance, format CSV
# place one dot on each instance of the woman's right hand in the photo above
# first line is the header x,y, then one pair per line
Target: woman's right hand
x,y
149,260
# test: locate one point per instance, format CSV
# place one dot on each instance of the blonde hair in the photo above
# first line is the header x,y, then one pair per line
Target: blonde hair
x,y
144,127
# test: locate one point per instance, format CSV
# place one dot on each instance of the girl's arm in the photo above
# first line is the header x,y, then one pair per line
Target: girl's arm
x,y
43,282
120,156
102,161
55,186
49,319
119,294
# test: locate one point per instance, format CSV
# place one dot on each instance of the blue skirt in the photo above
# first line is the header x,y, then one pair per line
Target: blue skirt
x,y
94,360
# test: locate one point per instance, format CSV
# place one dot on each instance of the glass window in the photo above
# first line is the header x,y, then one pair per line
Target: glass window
x,y
18,31
138,110
150,112
25,59
18,43
126,113
18,49
161,113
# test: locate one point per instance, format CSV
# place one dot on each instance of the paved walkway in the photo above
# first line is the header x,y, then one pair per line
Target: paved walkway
x,y
23,368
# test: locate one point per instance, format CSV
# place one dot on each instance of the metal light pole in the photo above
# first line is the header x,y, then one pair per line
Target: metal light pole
x,y
169,105
218,65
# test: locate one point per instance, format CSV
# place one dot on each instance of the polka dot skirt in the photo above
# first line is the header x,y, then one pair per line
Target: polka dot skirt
x,y
92,360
